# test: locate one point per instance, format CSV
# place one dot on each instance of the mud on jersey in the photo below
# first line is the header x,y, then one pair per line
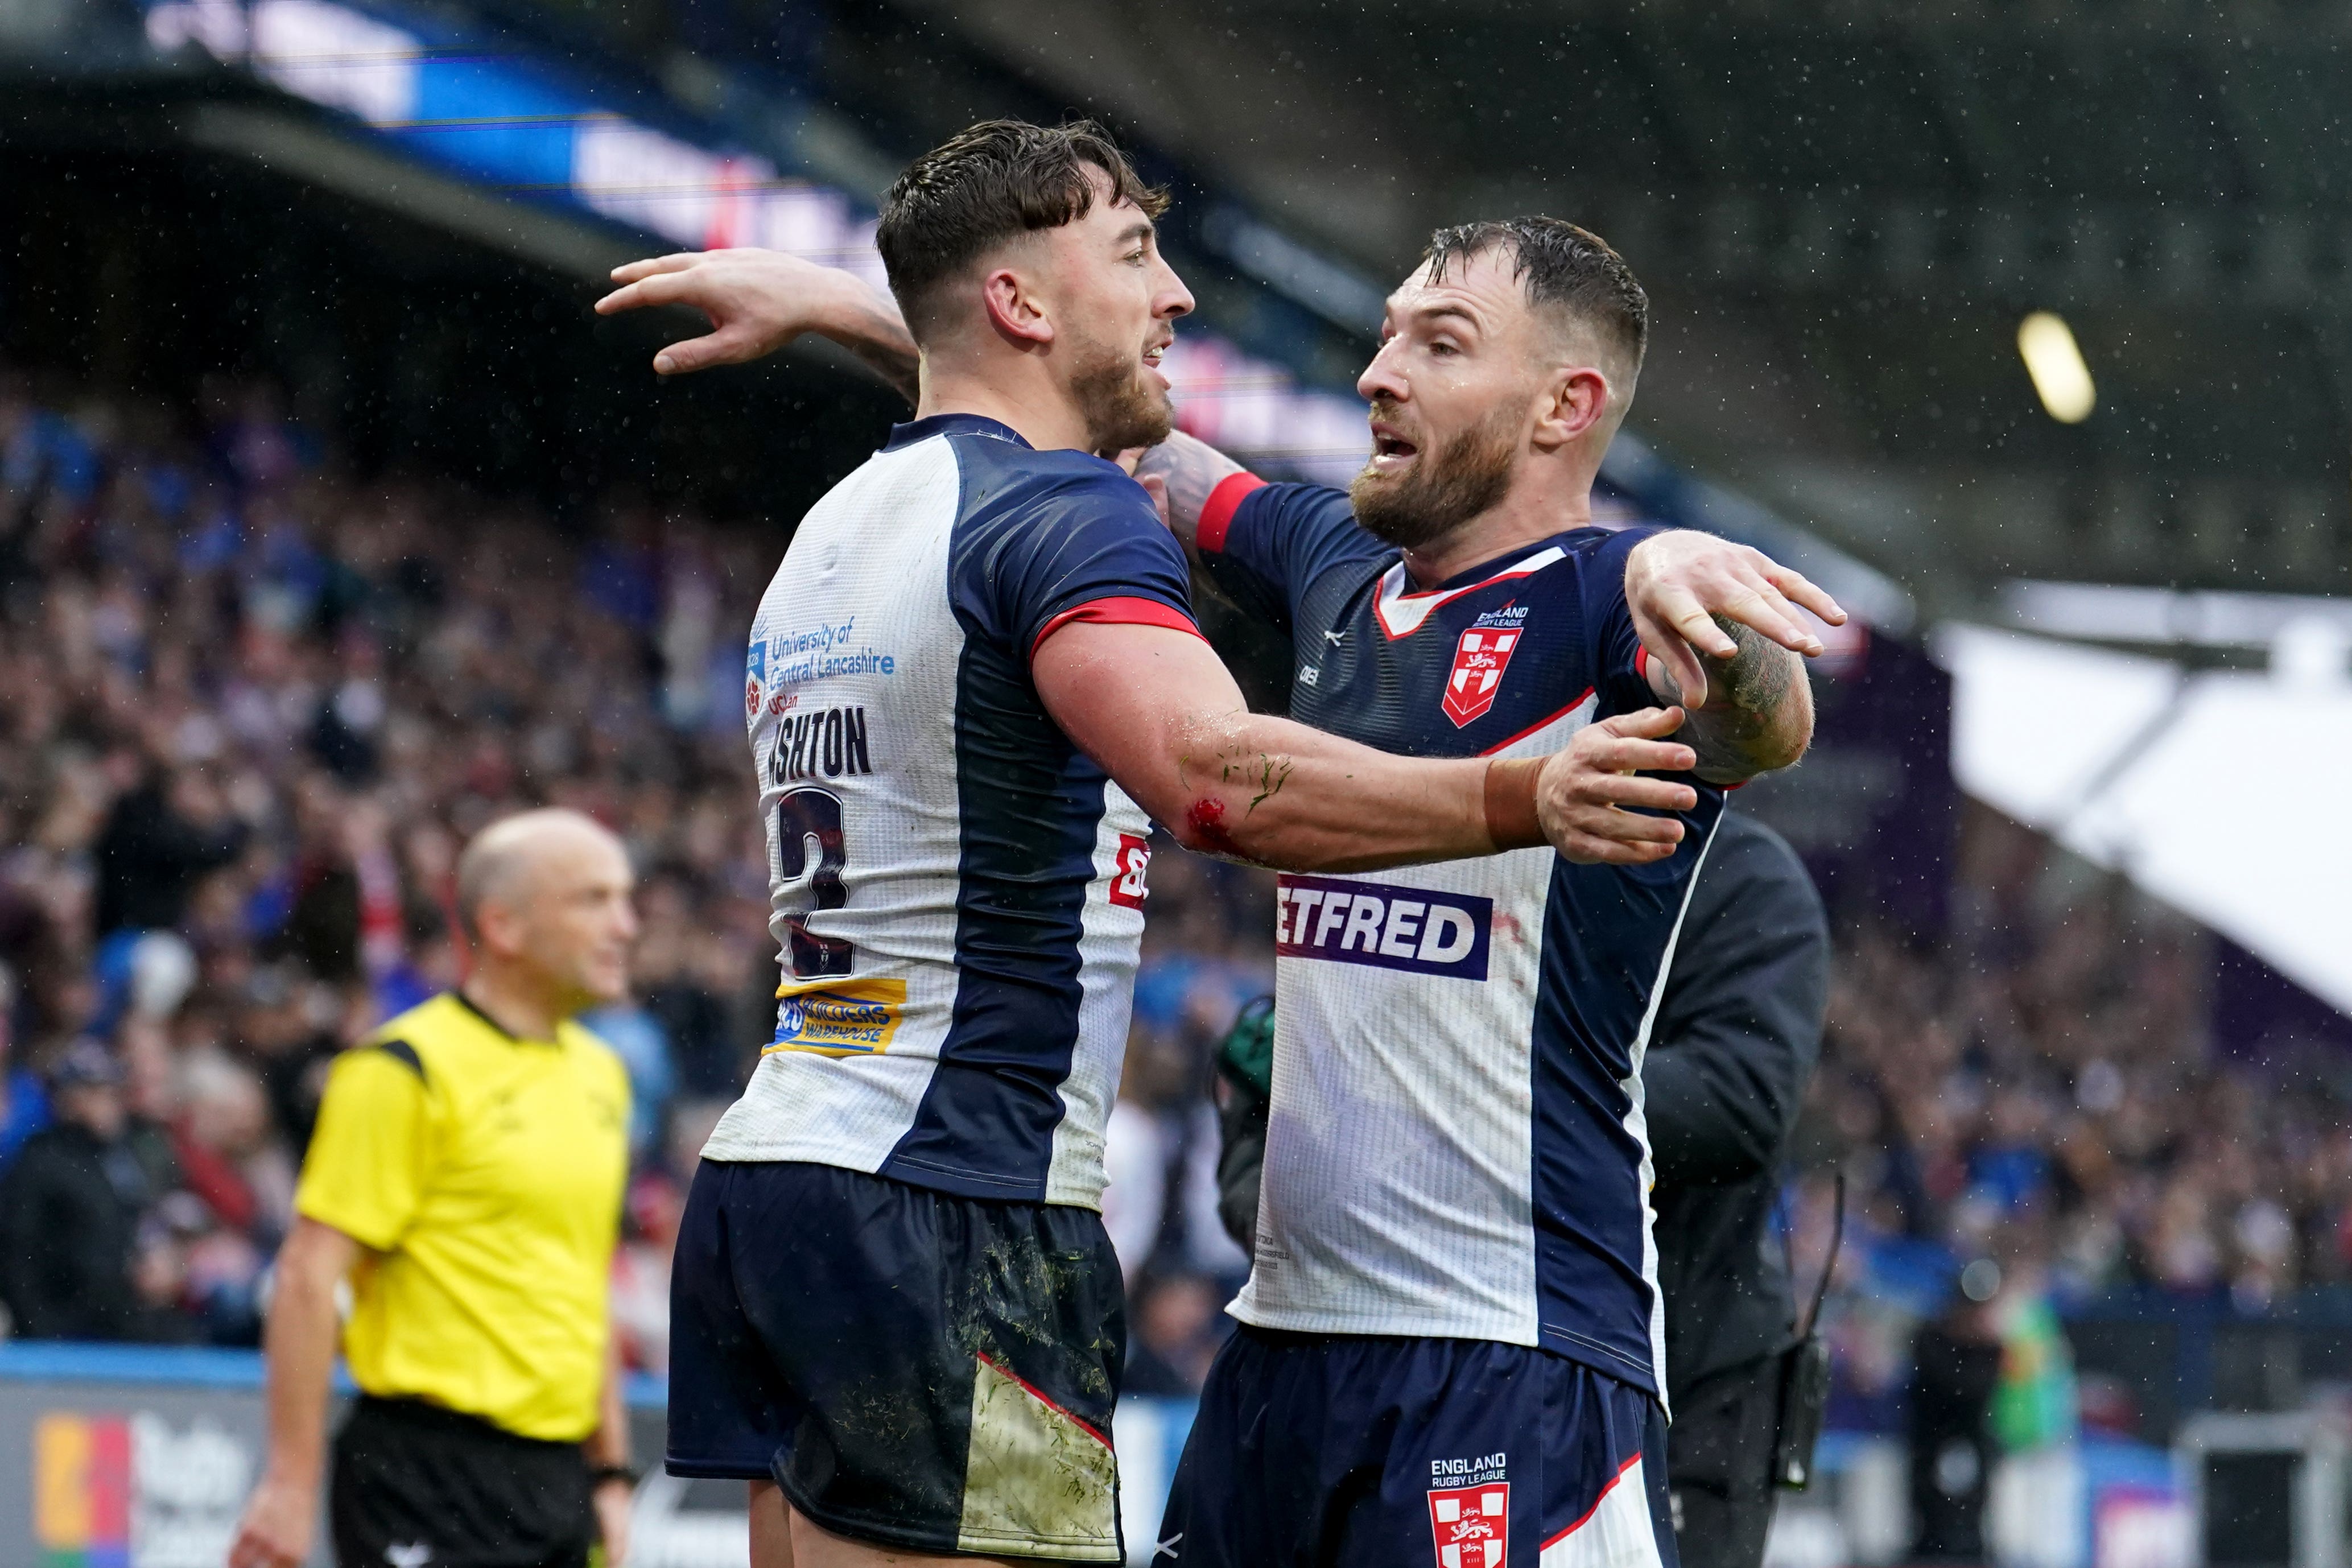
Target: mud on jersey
x,y
957,890
1456,1146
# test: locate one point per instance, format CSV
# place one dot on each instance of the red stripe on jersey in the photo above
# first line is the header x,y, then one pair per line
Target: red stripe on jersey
x,y
1120,612
1217,513
1552,717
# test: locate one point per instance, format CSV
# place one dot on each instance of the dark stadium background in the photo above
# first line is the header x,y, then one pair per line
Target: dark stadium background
x,y
304,415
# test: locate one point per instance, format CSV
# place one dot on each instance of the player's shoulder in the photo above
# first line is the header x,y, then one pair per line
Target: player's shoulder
x,y
1022,485
1032,506
1585,563
1595,540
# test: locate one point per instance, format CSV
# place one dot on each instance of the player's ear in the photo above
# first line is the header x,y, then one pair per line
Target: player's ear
x,y
1015,311
1576,399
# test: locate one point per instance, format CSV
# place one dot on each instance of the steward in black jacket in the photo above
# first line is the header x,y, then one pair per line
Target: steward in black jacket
x,y
1736,1035
69,1210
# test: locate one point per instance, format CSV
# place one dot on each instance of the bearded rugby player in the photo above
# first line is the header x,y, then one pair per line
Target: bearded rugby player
x,y
1456,1344
848,1322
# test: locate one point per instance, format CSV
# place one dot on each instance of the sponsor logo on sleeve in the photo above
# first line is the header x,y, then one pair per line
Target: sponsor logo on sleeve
x,y
1416,930
839,1017
1479,660
755,676
1470,1511
1127,889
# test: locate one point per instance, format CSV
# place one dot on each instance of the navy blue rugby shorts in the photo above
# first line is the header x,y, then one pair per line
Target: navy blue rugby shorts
x,y
915,1370
1355,1451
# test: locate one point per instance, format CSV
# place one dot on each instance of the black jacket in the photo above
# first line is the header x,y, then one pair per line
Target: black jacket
x,y
1736,1035
150,857
69,1209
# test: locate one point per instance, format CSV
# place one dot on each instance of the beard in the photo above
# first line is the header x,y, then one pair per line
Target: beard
x,y
1446,486
1121,407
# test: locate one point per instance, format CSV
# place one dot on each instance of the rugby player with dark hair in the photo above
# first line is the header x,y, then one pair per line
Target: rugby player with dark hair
x,y
1453,1329
973,682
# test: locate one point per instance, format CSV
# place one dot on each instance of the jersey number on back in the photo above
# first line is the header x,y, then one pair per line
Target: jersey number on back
x,y
801,816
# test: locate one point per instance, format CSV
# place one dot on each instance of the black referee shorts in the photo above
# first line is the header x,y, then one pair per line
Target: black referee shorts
x,y
914,1369
416,1486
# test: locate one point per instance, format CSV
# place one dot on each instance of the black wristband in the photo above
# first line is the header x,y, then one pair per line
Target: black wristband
x,y
600,1474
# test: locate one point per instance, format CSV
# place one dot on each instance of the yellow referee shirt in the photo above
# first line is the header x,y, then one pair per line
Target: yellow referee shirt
x,y
485,1174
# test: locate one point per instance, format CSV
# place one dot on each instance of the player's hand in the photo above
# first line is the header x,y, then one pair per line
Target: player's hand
x,y
1155,485
613,1500
1583,791
276,1530
757,301
1677,582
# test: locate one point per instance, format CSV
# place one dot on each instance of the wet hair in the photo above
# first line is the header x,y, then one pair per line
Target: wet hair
x,y
1564,268
998,180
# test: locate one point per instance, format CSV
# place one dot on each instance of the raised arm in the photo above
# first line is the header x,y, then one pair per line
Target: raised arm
x,y
759,300
1163,718
1727,643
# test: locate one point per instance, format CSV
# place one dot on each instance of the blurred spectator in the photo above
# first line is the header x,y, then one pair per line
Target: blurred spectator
x,y
226,1152
1175,1335
70,1211
24,1101
641,1272
250,707
159,838
1952,1451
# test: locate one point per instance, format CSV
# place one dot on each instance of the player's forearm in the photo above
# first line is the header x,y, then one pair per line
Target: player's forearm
x,y
868,325
1163,718
299,1348
1190,469
1760,711
1278,793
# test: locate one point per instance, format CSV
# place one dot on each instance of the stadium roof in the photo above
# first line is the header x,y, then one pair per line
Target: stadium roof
x,y
2214,790
1844,212
516,143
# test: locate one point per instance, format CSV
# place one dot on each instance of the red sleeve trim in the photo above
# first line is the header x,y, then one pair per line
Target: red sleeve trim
x,y
1121,612
1217,513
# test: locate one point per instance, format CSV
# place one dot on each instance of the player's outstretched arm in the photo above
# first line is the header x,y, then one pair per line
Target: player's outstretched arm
x,y
1159,713
1720,622
759,300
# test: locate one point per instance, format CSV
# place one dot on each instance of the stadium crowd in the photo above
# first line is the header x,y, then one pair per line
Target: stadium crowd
x,y
250,706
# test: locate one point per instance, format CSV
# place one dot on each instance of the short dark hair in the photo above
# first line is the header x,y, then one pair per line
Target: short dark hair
x,y
985,185
1570,269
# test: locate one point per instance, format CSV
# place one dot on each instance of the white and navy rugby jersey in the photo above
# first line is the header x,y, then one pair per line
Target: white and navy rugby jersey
x,y
958,890
1456,1146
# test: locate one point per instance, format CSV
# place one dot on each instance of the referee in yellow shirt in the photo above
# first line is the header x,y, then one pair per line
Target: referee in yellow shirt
x,y
465,1176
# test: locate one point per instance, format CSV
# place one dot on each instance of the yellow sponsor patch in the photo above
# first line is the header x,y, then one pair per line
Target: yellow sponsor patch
x,y
838,1018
